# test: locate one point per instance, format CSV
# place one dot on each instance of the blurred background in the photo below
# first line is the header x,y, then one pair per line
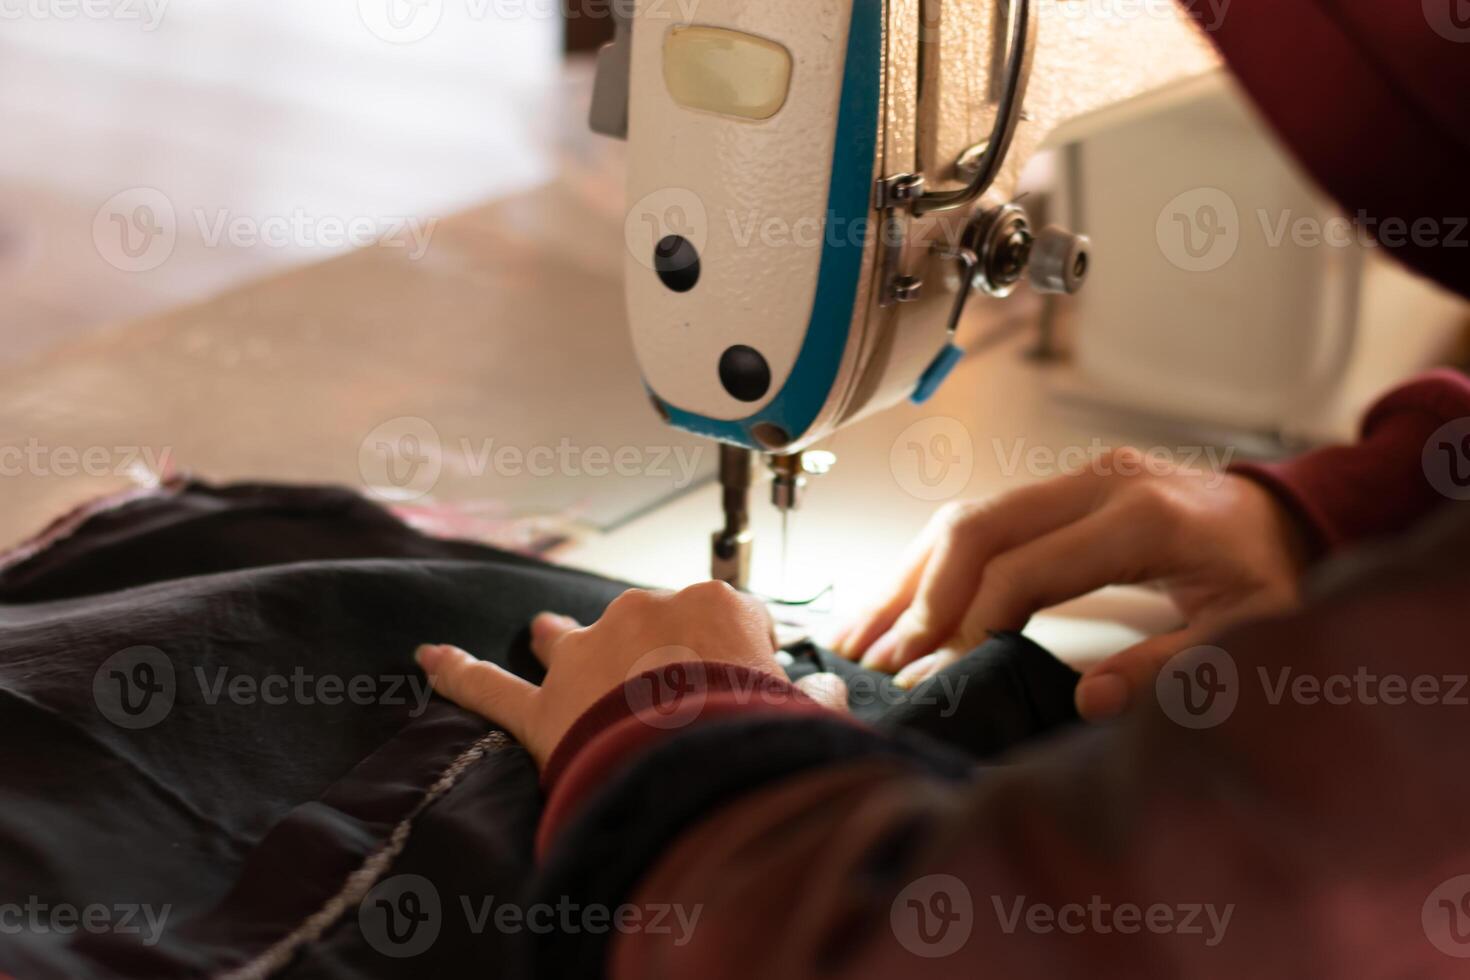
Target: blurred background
x,y
305,114
271,240
373,243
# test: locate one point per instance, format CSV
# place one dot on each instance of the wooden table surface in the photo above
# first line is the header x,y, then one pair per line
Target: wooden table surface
x,y
506,337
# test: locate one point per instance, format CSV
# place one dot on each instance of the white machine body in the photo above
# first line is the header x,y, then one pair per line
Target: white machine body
x,y
804,177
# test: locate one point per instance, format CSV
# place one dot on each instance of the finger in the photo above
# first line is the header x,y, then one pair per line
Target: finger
x,y
1101,549
547,630
1127,678
960,558
479,686
926,667
853,640
828,690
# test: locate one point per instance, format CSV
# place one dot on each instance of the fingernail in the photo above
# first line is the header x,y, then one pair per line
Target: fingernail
x,y
881,651
916,672
828,690
434,657
431,656
1102,697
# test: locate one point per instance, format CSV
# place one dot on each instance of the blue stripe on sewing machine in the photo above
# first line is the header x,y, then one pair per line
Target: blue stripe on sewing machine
x,y
801,398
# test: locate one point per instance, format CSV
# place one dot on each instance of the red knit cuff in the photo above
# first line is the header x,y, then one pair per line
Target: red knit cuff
x,y
654,706
1380,485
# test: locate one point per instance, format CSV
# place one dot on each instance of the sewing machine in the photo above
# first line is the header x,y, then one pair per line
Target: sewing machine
x,y
816,191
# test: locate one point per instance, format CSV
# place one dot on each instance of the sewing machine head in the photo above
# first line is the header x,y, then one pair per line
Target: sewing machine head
x,y
788,246
805,179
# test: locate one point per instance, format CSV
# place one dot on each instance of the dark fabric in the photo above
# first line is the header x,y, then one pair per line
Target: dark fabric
x,y
1007,692
241,819
1011,690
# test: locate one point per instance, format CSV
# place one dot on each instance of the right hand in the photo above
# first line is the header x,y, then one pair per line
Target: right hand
x,y
1222,548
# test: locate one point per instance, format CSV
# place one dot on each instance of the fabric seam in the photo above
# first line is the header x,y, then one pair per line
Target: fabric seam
x,y
357,884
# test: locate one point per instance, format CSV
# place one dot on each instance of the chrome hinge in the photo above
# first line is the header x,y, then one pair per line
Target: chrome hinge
x,y
894,198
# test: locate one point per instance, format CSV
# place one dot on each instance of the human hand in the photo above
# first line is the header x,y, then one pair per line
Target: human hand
x,y
639,631
1222,548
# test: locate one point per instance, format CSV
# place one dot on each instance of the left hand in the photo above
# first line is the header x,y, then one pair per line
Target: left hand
x,y
639,631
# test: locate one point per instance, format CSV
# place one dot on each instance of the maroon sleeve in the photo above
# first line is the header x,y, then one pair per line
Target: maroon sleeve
x,y
655,706
1290,804
1370,97
1394,476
